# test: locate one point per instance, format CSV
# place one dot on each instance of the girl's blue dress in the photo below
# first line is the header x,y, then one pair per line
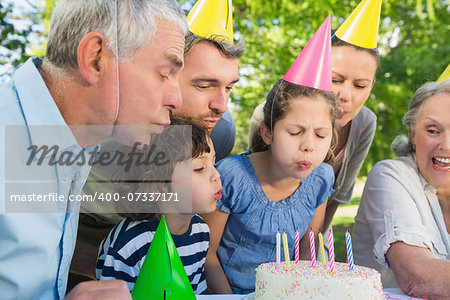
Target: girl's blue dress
x,y
249,235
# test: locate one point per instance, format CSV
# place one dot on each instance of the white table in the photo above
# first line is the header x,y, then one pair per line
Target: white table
x,y
391,294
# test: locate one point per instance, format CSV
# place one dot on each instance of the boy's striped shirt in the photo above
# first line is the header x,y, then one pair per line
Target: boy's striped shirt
x,y
122,253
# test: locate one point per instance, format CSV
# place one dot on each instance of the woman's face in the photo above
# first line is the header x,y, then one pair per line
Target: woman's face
x,y
431,139
353,74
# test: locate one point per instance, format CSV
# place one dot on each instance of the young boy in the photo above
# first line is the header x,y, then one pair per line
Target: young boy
x,y
123,252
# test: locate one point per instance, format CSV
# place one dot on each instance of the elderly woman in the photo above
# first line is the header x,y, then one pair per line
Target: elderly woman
x,y
403,222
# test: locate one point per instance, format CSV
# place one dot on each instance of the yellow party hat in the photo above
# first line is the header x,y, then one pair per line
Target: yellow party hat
x,y
361,27
445,75
210,18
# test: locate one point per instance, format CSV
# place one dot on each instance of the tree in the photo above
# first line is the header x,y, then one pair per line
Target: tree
x,y
413,41
23,32
13,41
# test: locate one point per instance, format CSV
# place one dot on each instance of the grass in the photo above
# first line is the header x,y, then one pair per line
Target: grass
x,y
340,224
353,202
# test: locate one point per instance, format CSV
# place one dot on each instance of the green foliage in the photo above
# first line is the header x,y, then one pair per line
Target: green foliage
x,y
13,41
275,32
44,14
413,41
340,226
19,33
420,55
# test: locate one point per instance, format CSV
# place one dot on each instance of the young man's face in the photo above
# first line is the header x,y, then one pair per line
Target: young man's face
x,y
206,83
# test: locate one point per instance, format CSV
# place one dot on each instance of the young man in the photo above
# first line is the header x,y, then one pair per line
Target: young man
x,y
210,72
97,71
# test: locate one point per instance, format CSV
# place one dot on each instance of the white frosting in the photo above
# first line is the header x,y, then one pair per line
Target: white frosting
x,y
302,281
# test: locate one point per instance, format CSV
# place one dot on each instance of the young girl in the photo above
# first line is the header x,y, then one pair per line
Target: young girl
x,y
123,252
353,75
281,187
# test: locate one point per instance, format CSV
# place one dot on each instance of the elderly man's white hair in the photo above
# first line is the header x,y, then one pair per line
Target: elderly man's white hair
x,y
127,25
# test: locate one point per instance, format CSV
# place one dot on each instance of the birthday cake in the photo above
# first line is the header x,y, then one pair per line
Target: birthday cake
x,y
302,281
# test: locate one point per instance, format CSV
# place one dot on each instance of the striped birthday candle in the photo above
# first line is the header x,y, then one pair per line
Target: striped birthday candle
x,y
348,243
278,239
286,251
321,248
296,246
312,247
331,251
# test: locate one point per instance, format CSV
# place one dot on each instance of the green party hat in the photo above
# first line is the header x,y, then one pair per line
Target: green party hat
x,y
162,275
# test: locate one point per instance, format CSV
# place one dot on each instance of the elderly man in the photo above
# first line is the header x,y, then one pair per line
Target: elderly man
x,y
107,63
209,74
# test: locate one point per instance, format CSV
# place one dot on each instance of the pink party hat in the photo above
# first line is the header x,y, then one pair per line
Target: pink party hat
x,y
312,68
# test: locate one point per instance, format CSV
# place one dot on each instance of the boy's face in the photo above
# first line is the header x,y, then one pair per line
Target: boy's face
x,y
206,184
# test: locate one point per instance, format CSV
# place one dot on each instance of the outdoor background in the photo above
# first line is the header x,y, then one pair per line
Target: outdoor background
x,y
414,43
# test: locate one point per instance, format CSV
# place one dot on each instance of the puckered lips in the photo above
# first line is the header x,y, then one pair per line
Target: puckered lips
x,y
304,164
218,195
441,163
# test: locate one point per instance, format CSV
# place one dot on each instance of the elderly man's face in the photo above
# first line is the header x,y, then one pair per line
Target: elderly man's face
x,y
206,82
148,85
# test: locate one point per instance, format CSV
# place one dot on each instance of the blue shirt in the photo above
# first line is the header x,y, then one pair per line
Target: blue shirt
x,y
123,252
223,136
37,238
249,237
